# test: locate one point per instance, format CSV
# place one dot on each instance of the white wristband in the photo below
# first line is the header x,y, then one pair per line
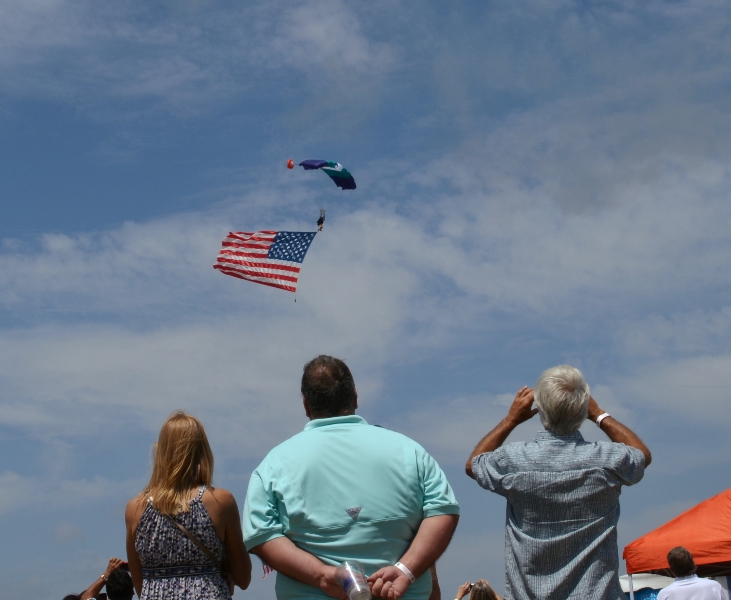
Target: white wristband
x,y
405,570
600,418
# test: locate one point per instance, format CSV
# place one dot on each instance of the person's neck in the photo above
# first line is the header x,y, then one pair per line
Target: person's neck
x,y
347,413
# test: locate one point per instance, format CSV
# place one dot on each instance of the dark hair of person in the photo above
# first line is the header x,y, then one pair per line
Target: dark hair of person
x,y
119,586
328,387
482,591
72,597
681,562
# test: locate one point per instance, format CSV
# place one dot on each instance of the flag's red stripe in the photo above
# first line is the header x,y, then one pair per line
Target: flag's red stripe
x,y
233,273
247,255
274,285
261,245
255,273
228,251
245,235
259,273
263,265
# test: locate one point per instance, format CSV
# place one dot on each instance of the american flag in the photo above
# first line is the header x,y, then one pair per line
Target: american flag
x,y
267,257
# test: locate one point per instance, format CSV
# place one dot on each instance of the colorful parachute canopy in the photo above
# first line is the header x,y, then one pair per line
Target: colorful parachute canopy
x,y
337,172
267,257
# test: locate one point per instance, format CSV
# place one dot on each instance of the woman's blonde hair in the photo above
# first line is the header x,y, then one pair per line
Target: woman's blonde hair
x,y
482,591
182,461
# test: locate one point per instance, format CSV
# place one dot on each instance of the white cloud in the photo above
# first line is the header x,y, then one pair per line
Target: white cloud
x,y
68,532
451,427
328,35
695,389
697,332
22,492
185,60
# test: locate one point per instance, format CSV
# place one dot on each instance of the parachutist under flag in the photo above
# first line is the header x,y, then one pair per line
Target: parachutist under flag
x,y
268,257
321,220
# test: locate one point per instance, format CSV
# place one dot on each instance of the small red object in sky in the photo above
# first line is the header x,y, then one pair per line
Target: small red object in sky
x,y
290,164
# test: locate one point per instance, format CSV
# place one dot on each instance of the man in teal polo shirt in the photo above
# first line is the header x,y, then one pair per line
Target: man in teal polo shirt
x,y
345,490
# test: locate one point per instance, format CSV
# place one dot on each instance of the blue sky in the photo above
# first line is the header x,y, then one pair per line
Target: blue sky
x,y
538,183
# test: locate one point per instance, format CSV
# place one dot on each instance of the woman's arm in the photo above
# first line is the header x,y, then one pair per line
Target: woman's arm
x,y
463,590
227,514
436,591
132,515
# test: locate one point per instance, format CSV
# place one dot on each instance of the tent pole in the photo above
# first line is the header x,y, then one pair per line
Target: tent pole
x,y
631,589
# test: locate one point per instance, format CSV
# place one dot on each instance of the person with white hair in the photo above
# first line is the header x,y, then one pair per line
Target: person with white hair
x,y
562,492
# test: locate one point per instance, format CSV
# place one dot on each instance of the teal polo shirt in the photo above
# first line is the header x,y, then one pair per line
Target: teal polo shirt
x,y
343,489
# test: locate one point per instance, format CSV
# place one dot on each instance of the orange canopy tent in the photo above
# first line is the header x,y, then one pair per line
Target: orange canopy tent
x,y
705,530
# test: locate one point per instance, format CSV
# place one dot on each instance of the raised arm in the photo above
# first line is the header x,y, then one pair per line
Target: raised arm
x,y
430,542
617,432
96,587
520,411
282,555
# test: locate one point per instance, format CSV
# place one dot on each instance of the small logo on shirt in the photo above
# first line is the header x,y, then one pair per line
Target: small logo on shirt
x,y
353,512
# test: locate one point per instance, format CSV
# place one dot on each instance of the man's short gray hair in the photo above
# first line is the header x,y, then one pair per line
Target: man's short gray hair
x,y
562,399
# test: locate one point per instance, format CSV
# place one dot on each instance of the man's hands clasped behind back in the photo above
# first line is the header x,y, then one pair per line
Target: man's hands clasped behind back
x,y
389,582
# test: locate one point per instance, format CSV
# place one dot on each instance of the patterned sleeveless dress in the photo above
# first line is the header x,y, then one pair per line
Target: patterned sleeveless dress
x,y
173,567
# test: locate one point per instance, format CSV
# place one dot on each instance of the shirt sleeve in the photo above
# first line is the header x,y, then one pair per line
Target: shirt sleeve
x,y
628,464
718,589
260,520
488,471
439,498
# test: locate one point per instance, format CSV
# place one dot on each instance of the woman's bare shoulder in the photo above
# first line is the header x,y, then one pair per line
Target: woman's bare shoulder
x,y
224,498
134,510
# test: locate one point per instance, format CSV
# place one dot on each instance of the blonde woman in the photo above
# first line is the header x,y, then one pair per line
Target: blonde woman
x,y
480,590
180,527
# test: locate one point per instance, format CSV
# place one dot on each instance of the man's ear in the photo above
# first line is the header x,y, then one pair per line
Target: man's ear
x,y
307,408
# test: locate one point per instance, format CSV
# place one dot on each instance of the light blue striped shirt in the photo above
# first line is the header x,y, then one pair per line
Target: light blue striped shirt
x,y
562,511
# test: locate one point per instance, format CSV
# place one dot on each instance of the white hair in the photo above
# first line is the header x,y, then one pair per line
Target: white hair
x,y
562,398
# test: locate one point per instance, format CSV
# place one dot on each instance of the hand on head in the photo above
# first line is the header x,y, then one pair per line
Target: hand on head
x,y
594,411
522,408
114,564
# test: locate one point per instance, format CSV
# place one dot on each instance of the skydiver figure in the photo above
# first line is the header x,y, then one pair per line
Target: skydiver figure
x,y
321,220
